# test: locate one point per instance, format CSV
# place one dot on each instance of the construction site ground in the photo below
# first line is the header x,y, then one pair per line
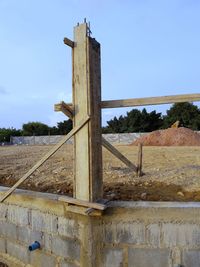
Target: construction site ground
x,y
171,173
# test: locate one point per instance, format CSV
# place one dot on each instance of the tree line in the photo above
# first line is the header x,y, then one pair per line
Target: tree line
x,y
186,113
135,120
36,129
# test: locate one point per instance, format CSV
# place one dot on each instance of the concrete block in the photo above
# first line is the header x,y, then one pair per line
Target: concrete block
x,y
18,251
18,215
68,227
131,232
8,230
176,255
26,235
44,222
153,234
48,242
142,257
3,211
113,258
180,234
66,248
63,263
40,259
191,258
2,245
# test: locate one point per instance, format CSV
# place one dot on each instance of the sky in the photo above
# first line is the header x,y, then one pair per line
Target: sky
x,y
148,48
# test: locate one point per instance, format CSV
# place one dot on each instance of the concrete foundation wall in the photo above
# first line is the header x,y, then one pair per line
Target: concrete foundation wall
x,y
128,234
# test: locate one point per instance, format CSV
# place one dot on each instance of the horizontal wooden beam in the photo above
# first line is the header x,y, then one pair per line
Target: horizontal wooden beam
x,y
150,101
67,109
118,154
68,42
82,203
42,160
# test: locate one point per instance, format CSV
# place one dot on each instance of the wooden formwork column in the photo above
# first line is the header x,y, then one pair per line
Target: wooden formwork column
x,y
86,102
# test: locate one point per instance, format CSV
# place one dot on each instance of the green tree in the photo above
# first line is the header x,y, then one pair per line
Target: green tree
x,y
53,130
135,121
187,113
35,128
64,127
5,134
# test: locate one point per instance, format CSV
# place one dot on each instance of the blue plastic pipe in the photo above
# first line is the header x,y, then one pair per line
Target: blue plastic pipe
x,y
34,246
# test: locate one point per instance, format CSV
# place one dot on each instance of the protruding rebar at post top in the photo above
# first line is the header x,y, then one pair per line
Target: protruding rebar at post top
x,y
34,246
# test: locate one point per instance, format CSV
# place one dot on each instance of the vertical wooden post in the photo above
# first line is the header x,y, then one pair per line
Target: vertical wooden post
x,y
86,102
139,165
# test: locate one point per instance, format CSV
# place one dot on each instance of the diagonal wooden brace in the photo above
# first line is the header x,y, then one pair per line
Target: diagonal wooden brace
x,y
67,109
48,155
119,155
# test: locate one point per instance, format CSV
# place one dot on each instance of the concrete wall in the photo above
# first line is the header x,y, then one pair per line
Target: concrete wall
x,y
128,234
126,138
37,140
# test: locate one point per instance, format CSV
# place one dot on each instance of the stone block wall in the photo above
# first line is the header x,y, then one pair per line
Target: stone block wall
x,y
22,222
152,234
128,234
126,138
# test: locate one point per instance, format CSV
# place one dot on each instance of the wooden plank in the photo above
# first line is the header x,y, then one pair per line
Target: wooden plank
x,y
150,101
82,210
83,203
139,165
68,42
96,180
65,108
86,100
48,155
118,154
91,211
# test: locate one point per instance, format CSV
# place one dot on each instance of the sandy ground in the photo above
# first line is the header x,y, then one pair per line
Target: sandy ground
x,y
171,173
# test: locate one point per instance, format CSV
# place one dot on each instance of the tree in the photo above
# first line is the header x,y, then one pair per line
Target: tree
x,y
53,130
5,134
64,127
35,128
187,113
135,121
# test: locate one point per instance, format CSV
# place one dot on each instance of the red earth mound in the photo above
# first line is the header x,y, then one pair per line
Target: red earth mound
x,y
170,137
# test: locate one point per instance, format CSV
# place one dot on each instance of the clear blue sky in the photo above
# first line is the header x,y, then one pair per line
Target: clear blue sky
x,y
149,48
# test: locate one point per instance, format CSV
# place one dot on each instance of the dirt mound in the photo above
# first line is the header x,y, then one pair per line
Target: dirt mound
x,y
170,137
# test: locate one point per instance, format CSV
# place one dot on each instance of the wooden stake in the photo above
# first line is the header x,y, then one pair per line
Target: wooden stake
x,y
139,165
48,155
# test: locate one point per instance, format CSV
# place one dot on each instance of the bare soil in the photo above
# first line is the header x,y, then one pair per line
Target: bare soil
x,y
170,137
171,173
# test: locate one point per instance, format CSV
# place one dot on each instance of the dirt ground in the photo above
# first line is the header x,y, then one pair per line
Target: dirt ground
x,y
171,173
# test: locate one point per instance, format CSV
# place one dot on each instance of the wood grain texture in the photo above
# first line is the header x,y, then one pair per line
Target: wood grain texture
x,y
86,101
65,108
150,101
82,203
139,165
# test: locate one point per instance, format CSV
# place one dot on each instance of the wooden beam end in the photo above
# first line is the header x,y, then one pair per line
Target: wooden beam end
x,y
68,42
57,107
